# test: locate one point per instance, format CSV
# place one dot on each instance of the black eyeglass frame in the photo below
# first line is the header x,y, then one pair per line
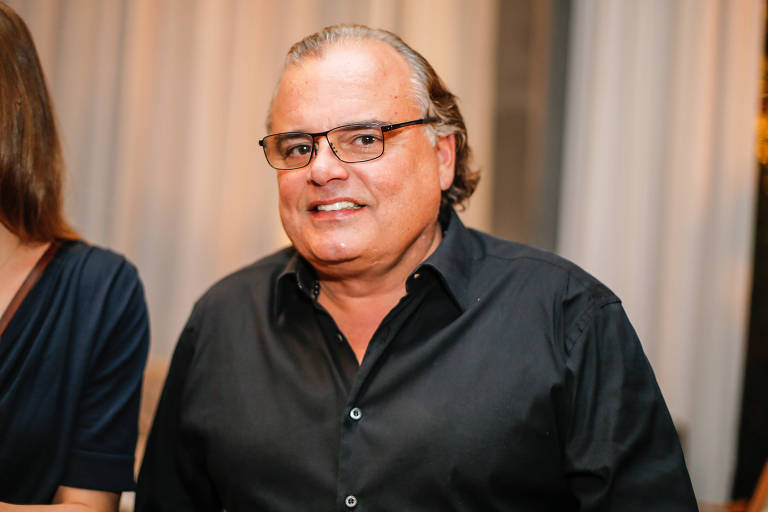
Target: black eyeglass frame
x,y
384,129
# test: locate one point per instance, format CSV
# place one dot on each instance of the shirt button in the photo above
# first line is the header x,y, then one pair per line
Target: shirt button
x,y
339,337
355,414
350,501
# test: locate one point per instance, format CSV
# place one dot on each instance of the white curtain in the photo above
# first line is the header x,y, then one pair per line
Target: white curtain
x,y
658,195
161,104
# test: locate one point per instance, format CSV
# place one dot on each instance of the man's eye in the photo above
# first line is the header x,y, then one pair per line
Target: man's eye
x,y
366,139
297,150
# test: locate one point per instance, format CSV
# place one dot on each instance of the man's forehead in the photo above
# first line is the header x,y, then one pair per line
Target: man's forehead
x,y
348,82
371,61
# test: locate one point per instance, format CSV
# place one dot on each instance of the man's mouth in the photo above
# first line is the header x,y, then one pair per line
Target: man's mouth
x,y
339,205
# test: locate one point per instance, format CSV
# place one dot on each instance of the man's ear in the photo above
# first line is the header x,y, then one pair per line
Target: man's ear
x,y
446,156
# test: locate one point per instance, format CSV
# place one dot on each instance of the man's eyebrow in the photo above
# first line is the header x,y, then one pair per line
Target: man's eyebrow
x,y
358,122
288,135
365,122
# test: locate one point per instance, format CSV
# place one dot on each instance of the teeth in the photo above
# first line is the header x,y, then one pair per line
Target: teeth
x,y
341,205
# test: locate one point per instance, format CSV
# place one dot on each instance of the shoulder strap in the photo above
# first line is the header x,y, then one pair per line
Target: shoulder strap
x,y
29,282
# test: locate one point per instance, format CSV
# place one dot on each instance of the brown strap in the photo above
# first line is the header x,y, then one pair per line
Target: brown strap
x,y
29,282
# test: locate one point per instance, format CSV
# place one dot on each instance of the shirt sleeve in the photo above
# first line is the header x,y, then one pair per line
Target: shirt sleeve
x,y
621,451
104,439
173,475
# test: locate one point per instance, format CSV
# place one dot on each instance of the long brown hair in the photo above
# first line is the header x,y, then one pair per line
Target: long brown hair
x,y
31,165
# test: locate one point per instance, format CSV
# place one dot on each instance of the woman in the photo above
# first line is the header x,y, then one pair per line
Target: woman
x,y
73,330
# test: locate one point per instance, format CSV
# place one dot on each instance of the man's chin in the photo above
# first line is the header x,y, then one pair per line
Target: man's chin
x,y
331,256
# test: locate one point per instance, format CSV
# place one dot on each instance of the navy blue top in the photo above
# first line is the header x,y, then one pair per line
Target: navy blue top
x,y
71,362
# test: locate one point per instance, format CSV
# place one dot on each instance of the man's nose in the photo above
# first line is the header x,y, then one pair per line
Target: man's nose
x,y
324,166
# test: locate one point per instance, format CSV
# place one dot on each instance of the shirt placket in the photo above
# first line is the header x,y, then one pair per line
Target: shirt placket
x,y
355,414
354,420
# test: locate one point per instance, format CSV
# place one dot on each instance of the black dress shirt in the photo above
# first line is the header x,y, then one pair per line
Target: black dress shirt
x,y
506,379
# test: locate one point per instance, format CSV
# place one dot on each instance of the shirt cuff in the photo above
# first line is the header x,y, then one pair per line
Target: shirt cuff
x,y
99,471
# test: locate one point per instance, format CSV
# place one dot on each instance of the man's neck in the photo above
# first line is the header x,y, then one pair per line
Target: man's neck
x,y
358,302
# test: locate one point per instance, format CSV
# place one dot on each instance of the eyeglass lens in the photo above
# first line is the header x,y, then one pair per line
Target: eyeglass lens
x,y
352,143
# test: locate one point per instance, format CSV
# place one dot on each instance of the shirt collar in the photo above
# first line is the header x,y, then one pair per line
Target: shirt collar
x,y
297,274
451,263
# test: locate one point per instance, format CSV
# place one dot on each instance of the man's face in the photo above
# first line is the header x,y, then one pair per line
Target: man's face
x,y
382,210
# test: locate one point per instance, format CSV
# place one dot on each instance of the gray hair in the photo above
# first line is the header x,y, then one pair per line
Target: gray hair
x,y
430,93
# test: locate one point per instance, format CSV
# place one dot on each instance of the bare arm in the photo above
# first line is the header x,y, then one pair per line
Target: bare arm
x,y
71,499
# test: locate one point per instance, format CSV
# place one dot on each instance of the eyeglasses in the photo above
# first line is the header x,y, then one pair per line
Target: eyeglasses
x,y
350,143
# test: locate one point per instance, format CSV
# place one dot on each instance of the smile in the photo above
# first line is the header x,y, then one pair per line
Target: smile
x,y
339,205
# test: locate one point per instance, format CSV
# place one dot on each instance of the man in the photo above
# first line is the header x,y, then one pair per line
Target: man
x,y
392,359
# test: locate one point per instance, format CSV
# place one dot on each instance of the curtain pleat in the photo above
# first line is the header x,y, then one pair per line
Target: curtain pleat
x,y
658,195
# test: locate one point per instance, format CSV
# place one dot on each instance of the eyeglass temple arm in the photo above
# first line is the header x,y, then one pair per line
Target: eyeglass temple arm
x,y
424,120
